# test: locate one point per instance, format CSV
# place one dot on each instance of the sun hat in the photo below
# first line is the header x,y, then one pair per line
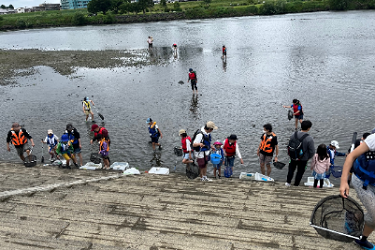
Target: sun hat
x,y
335,144
218,143
149,120
94,126
211,125
50,131
182,131
232,137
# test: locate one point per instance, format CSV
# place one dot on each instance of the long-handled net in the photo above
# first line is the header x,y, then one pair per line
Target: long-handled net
x,y
338,218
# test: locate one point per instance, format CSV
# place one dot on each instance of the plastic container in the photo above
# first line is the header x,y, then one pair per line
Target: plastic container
x,y
155,170
247,176
120,166
30,161
131,171
326,183
91,166
215,158
262,177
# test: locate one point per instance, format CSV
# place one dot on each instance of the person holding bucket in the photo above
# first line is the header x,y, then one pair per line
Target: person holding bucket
x,y
219,152
202,146
231,149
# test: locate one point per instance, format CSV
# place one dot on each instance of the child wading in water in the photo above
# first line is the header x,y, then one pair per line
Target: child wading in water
x,y
218,150
320,165
104,149
186,147
155,133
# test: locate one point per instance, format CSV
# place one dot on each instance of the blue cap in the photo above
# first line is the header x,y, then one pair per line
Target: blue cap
x,y
64,138
149,120
190,70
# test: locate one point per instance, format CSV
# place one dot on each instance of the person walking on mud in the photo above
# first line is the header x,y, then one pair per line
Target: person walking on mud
x,y
193,78
18,137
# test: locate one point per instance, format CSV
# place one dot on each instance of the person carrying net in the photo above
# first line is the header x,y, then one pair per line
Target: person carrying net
x,y
363,181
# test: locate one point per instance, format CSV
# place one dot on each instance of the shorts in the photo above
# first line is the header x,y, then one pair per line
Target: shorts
x,y
87,112
76,150
229,161
155,139
224,53
299,117
267,159
174,46
202,158
194,84
186,156
150,45
20,150
218,166
67,156
318,176
51,148
104,157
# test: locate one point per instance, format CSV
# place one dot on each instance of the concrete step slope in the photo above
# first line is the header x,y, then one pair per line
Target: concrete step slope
x,y
164,212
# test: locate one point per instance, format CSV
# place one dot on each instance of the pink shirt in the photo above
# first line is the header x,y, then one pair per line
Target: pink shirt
x,y
319,166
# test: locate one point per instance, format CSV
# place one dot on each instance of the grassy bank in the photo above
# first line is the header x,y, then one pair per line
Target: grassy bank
x,y
173,11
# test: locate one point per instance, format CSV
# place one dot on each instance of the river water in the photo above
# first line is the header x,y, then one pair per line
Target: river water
x,y
326,60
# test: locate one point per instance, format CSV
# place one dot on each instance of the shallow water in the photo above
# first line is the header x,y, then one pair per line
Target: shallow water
x,y
326,60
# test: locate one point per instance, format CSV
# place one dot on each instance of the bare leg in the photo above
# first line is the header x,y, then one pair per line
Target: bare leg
x,y
262,169
268,169
296,124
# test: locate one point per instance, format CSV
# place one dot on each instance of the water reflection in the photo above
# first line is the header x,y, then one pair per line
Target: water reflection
x,y
156,160
194,106
225,64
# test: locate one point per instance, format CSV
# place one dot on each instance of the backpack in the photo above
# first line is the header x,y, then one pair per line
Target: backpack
x,y
195,75
193,138
295,147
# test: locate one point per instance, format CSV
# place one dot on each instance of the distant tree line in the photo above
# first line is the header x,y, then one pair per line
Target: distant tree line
x,y
5,7
123,6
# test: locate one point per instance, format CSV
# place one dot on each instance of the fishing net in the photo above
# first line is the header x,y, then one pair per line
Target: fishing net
x,y
192,171
30,161
338,218
177,151
95,158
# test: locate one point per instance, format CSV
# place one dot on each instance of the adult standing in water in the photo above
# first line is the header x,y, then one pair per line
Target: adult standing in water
x,y
193,78
18,137
202,147
363,182
86,107
297,111
150,40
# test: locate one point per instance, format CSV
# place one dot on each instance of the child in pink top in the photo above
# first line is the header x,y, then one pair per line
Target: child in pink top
x,y
320,165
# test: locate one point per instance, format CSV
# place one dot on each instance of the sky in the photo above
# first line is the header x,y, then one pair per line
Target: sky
x,y
27,3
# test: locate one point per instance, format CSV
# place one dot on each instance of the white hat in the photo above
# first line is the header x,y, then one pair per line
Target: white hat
x,y
335,144
210,124
50,131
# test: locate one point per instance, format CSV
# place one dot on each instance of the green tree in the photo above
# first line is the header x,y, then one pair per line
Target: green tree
x,y
144,4
177,6
10,7
207,1
163,3
116,5
79,19
95,6
338,4
3,6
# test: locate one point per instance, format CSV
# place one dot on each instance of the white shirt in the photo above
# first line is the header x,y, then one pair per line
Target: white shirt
x,y
198,139
52,140
370,142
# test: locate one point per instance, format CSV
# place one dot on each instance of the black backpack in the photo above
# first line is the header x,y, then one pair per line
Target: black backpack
x,y
295,147
193,138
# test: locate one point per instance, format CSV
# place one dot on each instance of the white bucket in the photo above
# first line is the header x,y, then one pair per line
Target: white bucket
x,y
326,183
262,177
131,171
247,176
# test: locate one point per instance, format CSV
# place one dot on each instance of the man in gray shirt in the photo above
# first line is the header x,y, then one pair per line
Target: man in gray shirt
x,y
308,152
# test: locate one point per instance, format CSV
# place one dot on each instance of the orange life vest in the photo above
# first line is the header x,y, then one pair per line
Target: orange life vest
x,y
101,144
265,144
230,150
18,140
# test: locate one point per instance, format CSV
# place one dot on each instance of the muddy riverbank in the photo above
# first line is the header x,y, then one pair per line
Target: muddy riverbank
x,y
15,63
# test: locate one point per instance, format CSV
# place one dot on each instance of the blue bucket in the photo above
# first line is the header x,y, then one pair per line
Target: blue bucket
x,y
215,159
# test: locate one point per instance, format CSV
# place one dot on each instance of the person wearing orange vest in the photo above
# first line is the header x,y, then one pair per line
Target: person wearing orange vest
x,y
266,148
98,131
18,137
186,147
297,111
231,149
